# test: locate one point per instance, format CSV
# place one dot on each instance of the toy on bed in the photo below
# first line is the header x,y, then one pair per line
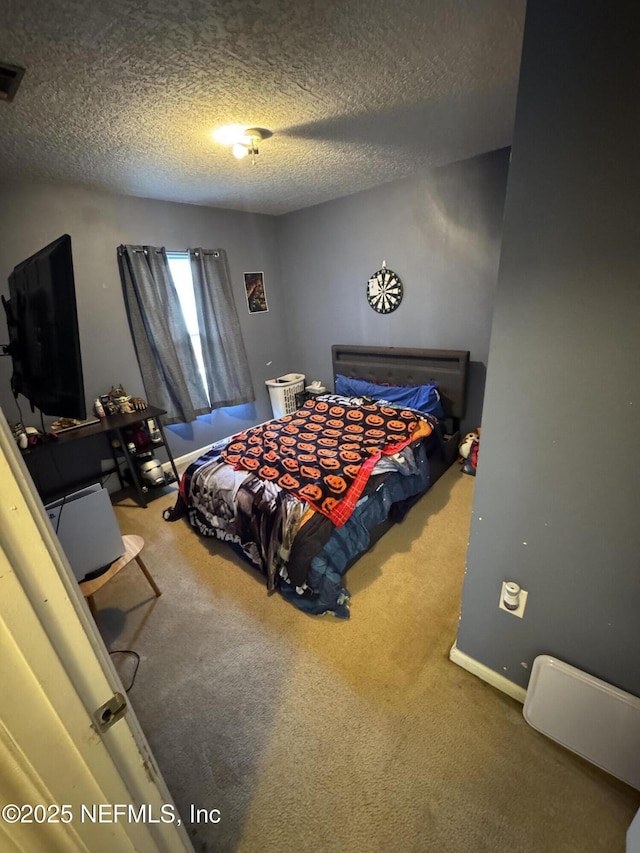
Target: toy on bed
x,y
468,451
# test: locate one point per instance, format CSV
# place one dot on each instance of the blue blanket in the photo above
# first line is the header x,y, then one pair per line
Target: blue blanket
x,y
325,576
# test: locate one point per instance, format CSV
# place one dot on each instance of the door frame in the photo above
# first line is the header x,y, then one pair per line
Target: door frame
x,y
56,673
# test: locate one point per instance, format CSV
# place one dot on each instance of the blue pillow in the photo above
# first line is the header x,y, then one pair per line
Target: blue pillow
x,y
425,398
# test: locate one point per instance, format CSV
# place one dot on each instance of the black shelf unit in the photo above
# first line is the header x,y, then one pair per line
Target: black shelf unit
x,y
117,426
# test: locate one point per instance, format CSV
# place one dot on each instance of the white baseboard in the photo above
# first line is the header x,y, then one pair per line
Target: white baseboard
x,y
489,675
182,462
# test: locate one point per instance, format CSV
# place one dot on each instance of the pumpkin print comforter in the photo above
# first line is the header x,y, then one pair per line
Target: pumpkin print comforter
x,y
325,452
282,523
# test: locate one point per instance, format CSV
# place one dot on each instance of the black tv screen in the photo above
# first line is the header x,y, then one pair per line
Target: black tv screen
x,y
44,342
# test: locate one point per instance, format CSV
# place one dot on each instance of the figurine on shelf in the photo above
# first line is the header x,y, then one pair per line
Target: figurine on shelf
x,y
121,399
108,405
138,435
124,403
138,404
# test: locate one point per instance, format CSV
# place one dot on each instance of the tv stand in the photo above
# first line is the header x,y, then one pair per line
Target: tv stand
x,y
73,458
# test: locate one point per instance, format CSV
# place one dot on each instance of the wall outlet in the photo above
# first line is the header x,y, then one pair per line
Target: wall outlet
x,y
521,604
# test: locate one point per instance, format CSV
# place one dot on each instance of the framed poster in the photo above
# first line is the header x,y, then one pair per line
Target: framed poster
x,y
256,293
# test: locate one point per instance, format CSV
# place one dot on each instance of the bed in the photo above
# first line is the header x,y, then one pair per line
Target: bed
x,y
302,497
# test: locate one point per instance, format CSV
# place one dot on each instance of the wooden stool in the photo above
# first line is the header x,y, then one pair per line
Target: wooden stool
x,y
132,546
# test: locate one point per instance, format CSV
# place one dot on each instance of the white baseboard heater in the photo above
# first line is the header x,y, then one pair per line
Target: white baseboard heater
x,y
588,716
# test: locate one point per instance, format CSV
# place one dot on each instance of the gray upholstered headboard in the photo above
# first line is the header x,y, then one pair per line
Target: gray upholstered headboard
x,y
400,366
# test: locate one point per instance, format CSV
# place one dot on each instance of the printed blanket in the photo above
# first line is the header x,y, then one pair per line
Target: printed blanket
x,y
324,453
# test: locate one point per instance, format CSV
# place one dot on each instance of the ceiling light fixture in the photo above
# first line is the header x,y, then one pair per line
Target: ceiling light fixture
x,y
243,140
248,145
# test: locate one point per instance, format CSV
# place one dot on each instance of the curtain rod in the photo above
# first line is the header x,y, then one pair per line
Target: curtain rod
x,y
214,252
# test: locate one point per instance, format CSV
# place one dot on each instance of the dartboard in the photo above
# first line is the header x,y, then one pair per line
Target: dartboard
x,y
384,291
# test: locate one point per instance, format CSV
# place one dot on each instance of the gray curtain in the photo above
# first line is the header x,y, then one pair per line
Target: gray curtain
x,y
225,359
163,346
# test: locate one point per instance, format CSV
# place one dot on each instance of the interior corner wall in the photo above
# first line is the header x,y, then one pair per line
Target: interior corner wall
x,y
556,494
440,231
33,215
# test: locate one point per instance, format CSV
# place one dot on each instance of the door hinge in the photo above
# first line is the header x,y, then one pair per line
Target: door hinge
x,y
109,713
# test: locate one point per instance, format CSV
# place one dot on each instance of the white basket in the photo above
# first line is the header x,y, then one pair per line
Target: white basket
x,y
283,392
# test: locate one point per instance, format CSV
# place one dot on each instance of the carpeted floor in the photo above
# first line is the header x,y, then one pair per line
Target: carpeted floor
x,y
315,734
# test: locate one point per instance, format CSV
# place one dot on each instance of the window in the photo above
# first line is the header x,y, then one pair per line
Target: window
x,y
180,267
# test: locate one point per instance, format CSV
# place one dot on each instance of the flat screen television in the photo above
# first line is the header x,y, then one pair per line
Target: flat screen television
x,y
44,342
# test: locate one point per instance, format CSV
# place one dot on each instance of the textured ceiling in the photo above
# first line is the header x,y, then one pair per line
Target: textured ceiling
x,y
123,94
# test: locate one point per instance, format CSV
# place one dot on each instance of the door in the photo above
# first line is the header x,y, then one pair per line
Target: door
x,y
76,772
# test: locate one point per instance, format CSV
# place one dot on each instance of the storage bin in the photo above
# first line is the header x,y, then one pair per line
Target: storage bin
x,y
283,392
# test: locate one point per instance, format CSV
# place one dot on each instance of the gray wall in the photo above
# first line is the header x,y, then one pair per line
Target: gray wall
x,y
557,497
439,231
32,216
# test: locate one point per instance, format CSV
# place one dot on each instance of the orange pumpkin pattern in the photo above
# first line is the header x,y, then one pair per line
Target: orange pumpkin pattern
x,y
375,433
249,463
289,483
268,473
311,492
324,452
328,442
337,484
310,472
328,506
330,463
375,420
